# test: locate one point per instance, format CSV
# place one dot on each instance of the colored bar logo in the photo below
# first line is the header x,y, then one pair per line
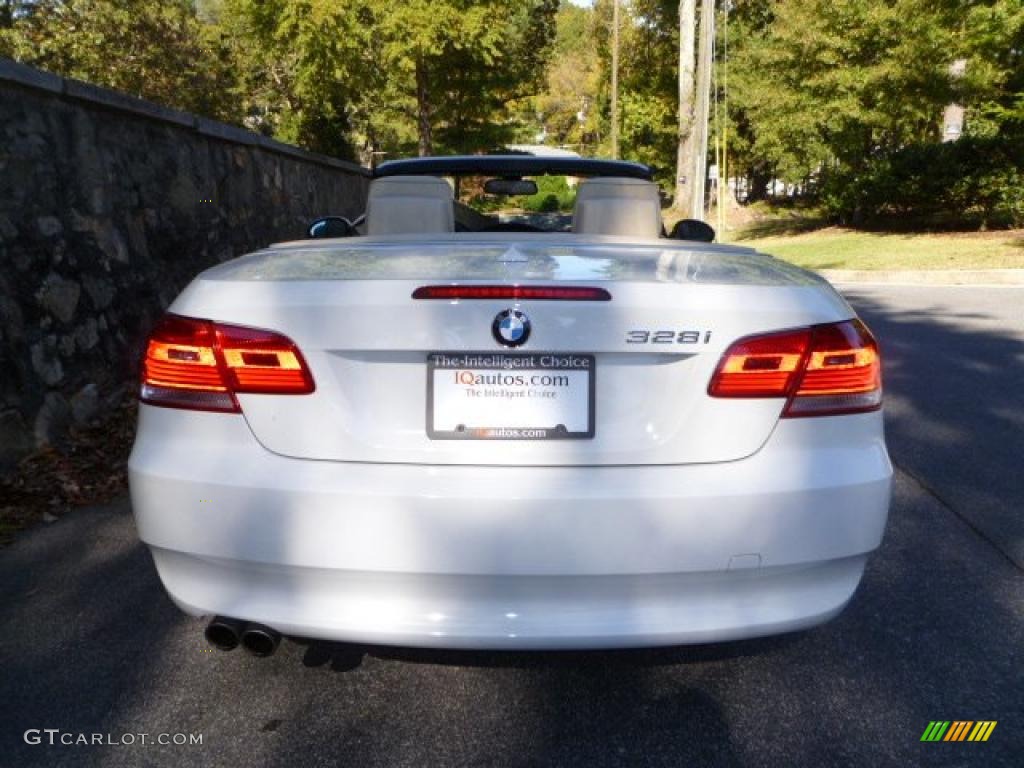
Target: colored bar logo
x,y
959,730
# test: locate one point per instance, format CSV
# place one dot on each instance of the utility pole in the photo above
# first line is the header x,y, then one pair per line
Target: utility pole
x,y
615,80
684,156
701,112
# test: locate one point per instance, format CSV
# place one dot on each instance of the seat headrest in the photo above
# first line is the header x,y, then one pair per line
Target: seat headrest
x,y
617,206
406,205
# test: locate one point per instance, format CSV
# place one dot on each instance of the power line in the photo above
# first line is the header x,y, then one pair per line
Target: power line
x,y
615,80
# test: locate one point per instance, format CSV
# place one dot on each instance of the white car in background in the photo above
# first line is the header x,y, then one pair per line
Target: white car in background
x,y
458,429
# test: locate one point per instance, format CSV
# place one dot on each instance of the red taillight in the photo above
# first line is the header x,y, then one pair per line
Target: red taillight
x,y
510,292
262,361
761,366
822,370
200,365
842,374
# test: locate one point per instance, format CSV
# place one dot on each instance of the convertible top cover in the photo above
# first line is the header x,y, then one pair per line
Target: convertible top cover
x,y
511,166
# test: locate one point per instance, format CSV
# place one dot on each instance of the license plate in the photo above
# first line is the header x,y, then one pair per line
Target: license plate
x,y
494,396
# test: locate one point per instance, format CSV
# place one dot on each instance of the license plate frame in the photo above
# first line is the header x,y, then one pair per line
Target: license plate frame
x,y
506,364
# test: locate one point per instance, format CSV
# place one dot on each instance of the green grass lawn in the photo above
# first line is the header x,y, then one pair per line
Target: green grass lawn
x,y
835,248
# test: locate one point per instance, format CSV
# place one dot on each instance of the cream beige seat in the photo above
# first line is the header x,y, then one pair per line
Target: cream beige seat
x,y
617,206
406,205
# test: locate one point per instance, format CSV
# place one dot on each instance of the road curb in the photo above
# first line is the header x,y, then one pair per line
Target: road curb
x,y
926,276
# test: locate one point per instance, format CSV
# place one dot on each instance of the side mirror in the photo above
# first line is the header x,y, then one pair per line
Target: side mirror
x,y
693,229
331,226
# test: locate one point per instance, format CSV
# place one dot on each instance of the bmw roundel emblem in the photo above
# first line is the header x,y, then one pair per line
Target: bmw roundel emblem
x,y
511,328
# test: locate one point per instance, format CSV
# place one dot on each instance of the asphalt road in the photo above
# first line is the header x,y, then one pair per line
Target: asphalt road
x,y
90,644
954,378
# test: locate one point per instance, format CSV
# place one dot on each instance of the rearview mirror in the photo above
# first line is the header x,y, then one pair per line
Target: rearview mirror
x,y
693,229
510,187
331,226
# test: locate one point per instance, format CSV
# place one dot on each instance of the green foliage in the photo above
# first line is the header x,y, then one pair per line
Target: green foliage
x,y
825,81
974,180
478,63
648,101
346,76
648,133
154,49
568,105
553,194
574,109
8,10
992,88
303,64
847,97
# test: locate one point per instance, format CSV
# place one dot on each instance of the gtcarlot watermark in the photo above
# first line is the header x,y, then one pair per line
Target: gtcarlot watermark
x,y
55,736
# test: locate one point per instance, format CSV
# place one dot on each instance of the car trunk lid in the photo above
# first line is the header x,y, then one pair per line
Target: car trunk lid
x,y
674,309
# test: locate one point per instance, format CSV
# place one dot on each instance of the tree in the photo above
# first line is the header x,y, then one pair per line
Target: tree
x,y
304,67
575,107
567,106
348,76
153,49
993,86
459,64
817,84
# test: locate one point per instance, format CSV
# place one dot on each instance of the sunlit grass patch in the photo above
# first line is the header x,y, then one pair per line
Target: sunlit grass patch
x,y
837,248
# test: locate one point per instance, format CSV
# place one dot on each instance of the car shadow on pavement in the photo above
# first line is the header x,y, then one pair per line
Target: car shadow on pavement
x,y
954,404
345,657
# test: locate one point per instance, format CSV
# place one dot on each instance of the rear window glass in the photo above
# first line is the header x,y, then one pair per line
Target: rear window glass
x,y
549,209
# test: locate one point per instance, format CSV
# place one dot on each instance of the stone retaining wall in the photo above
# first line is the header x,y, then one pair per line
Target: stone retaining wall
x,y
108,206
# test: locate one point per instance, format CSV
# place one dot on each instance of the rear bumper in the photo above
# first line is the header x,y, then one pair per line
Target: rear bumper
x,y
523,557
444,610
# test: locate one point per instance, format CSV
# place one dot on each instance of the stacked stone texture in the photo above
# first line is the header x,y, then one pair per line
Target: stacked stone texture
x,y
108,207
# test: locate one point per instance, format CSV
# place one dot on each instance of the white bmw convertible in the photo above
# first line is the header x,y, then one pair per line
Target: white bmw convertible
x,y
437,426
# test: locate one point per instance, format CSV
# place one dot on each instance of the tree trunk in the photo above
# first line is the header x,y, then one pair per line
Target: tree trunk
x,y
760,176
423,110
687,55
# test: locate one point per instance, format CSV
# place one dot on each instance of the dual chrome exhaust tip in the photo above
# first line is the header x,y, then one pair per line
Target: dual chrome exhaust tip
x,y
227,634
